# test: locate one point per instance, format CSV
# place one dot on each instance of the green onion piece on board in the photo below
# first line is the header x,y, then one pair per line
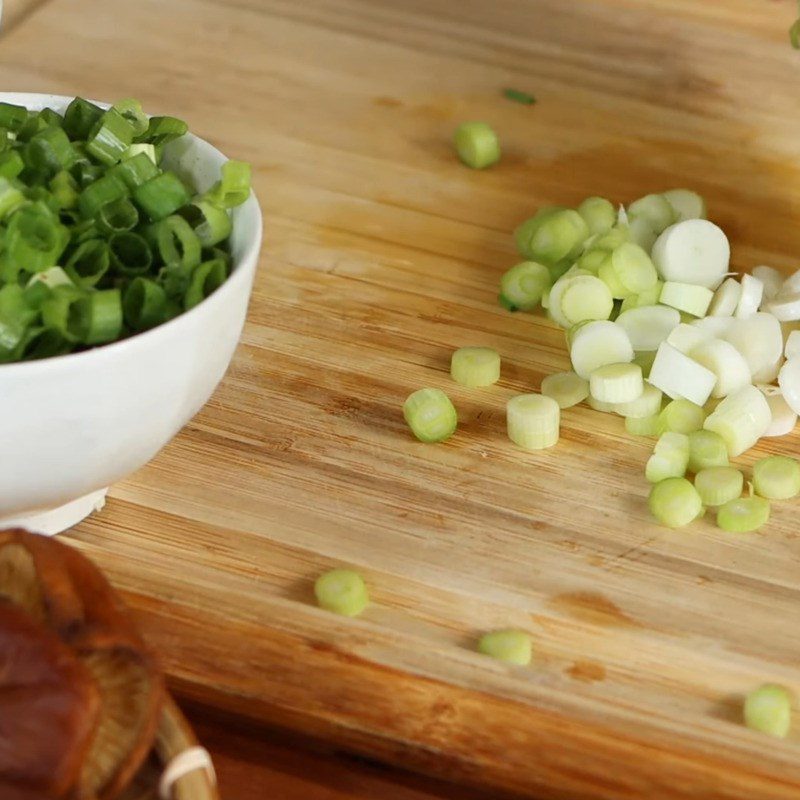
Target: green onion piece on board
x,y
743,515
341,591
130,253
511,646
431,415
533,421
552,236
211,223
523,285
566,388
599,214
768,709
205,279
161,196
117,216
475,366
88,263
233,188
706,449
718,485
163,130
518,96
96,318
131,110
777,477
12,117
144,304
670,457
80,118
111,136
176,242
674,502
98,194
477,145
682,416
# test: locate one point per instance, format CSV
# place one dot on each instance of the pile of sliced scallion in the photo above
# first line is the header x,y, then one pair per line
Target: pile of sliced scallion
x,y
661,333
97,240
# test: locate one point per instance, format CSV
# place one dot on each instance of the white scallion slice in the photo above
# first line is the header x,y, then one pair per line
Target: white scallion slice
x,y
750,299
599,214
585,298
612,240
681,416
726,362
687,297
609,276
675,502
648,326
648,298
656,209
768,373
695,251
670,457
599,343
791,285
641,232
593,259
706,449
566,388
523,285
743,515
599,405
792,348
768,709
784,418
758,338
785,307
789,381
634,268
616,383
511,646
777,477
557,292
642,426
647,404
726,299
719,485
686,204
685,337
741,419
533,421
475,366
714,327
771,278
678,376
341,591
430,414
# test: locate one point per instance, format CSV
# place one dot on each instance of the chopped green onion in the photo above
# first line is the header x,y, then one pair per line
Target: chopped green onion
x,y
633,268
585,297
12,117
741,419
686,204
139,148
519,97
11,164
718,485
131,110
475,366
161,196
211,223
135,170
477,145
679,376
642,426
80,118
706,449
15,317
743,515
654,208
616,383
98,194
88,263
32,125
647,404
566,388
163,130
130,253
96,318
533,421
341,591
670,457
144,304
599,343
522,286
65,190
177,243
682,416
777,477
430,415
687,297
117,216
553,235
11,198
511,646
674,502
58,312
110,137
599,214
50,151
233,188
35,240
768,709
205,279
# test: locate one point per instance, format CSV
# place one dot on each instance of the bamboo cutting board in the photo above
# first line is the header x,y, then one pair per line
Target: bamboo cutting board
x,y
382,255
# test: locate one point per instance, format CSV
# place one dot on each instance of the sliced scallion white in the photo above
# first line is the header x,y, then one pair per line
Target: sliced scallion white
x,y
598,213
523,285
784,418
750,299
792,348
677,376
719,485
687,297
475,366
641,232
768,709
686,204
675,502
743,515
533,421
785,307
777,477
681,416
566,388
706,449
771,278
647,404
599,343
685,337
585,297
430,415
648,326
634,268
694,251
789,381
758,338
670,457
656,209
726,362
741,419
726,299
616,383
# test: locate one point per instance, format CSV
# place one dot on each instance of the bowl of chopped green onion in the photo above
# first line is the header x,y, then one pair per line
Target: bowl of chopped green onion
x,y
128,248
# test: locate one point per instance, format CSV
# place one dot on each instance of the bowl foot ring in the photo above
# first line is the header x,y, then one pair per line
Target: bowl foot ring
x,y
56,520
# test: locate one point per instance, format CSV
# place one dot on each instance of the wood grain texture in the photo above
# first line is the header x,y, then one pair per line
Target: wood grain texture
x,y
382,255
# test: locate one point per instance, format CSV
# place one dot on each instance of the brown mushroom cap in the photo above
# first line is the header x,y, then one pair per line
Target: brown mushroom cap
x,y
73,598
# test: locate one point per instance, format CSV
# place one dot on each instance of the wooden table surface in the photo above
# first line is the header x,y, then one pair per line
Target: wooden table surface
x,y
381,255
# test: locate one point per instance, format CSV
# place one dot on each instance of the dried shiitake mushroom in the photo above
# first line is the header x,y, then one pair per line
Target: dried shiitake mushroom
x,y
64,592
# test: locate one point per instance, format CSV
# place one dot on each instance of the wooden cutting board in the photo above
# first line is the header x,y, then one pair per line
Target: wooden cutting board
x,y
382,254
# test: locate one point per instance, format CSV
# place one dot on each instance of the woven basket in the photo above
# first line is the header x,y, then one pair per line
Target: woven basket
x,y
174,737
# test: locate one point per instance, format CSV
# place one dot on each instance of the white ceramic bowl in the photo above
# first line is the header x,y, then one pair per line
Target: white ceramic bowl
x,y
70,426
